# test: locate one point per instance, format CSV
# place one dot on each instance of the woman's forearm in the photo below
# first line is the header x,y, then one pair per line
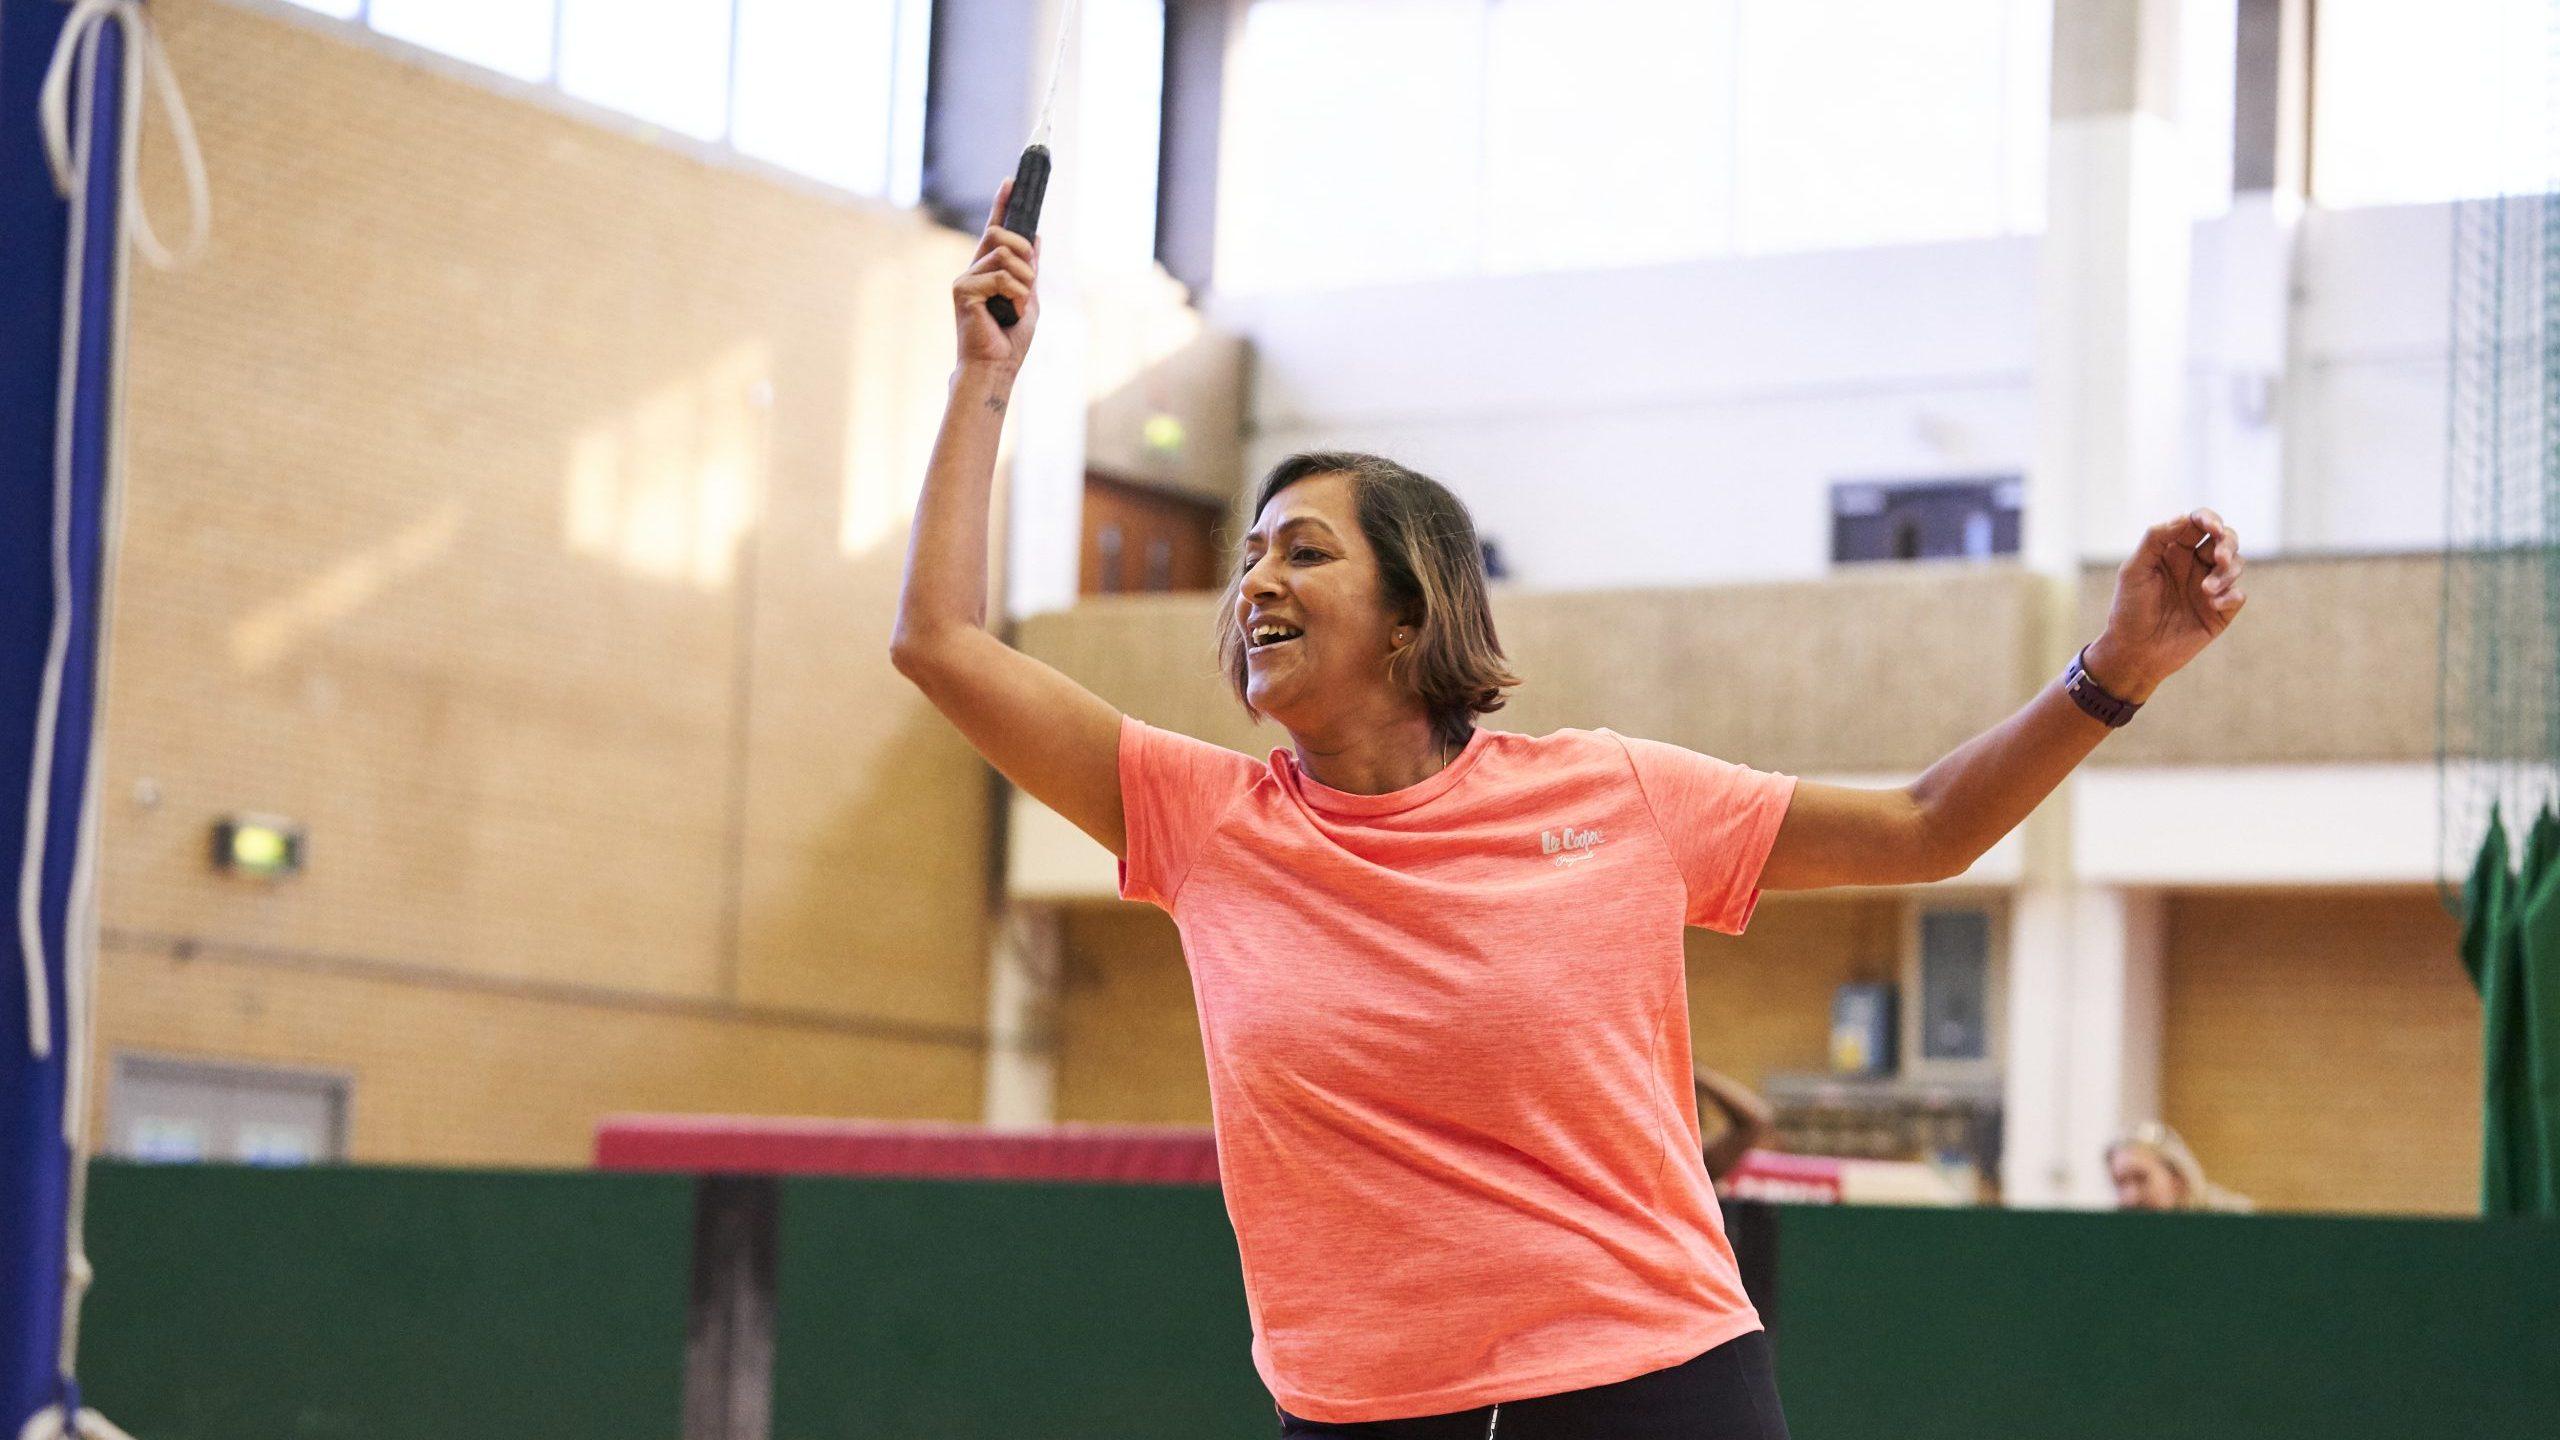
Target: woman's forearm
x,y
1743,1108
1985,787
946,582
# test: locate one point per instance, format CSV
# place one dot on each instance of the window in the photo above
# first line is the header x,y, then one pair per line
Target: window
x,y
1865,122
664,61
1120,121
1379,141
193,1110
508,36
2434,102
1925,520
1582,167
1955,985
833,89
798,105
1354,154
2208,61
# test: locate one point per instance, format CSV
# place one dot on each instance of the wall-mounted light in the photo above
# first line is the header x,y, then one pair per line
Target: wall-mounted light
x,y
264,847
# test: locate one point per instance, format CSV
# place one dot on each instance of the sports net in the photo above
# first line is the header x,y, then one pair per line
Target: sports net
x,y
2498,680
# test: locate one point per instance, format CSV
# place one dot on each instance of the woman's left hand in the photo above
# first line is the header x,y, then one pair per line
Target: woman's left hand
x,y
2179,591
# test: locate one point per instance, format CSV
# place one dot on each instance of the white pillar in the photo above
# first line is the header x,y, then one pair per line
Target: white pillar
x,y
2111,288
2114,275
2084,1038
1023,980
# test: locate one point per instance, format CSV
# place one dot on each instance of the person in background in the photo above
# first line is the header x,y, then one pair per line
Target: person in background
x,y
2154,1170
1748,1124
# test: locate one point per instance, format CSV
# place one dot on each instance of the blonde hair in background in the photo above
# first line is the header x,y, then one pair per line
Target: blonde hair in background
x,y
1432,568
2199,1193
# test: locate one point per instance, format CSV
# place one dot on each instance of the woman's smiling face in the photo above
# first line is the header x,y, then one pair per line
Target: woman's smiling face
x,y
1312,606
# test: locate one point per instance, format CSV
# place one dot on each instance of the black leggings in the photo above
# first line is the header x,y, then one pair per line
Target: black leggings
x,y
1729,1393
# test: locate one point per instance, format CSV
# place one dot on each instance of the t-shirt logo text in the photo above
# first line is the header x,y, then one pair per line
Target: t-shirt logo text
x,y
1570,846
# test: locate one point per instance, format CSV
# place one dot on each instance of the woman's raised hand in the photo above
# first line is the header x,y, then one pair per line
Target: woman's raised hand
x,y
2178,592
1007,265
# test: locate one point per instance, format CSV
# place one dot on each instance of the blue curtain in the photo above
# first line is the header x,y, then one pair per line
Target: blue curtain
x,y
34,1157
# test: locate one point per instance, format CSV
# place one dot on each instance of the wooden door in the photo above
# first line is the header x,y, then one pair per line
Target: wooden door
x,y
1138,538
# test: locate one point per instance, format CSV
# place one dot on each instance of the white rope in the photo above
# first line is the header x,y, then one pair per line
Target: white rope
x,y
143,59
1057,66
69,121
46,1424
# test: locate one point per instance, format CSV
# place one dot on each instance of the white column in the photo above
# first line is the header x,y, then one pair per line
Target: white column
x,y
1023,977
2111,456
2084,1038
2111,288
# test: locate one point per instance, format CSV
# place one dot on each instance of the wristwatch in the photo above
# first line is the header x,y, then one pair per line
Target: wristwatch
x,y
2113,711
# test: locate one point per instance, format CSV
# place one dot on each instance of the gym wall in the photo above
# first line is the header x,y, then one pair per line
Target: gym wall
x,y
2321,1050
519,504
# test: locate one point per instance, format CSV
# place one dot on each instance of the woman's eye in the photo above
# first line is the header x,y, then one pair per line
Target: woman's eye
x,y
1306,555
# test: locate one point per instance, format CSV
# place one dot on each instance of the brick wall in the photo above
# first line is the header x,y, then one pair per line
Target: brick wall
x,y
1760,1003
1128,1032
2322,1051
519,505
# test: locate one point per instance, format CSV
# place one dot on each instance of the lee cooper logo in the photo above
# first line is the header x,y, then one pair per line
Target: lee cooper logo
x,y
1568,846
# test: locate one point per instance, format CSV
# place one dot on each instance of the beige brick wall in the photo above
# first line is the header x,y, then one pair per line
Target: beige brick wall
x,y
2322,1051
520,506
2334,663
459,1068
1760,1003
1128,1033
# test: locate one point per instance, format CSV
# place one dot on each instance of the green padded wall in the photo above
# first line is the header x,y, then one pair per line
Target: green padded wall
x,y
953,1309
391,1304
1989,1325
385,1304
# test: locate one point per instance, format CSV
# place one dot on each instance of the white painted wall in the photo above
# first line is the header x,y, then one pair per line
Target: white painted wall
x,y
1685,423
2369,377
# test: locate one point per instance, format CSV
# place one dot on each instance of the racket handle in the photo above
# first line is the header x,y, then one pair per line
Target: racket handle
x,y
1022,217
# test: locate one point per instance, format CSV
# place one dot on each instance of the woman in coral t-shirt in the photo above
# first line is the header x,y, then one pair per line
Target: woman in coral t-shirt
x,y
1439,967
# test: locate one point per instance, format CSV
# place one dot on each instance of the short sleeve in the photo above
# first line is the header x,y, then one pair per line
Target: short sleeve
x,y
1173,791
1720,821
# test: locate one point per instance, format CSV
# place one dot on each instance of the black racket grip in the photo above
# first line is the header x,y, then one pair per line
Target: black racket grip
x,y
1022,217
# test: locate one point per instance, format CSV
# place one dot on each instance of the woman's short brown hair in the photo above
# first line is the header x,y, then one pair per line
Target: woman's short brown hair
x,y
1433,570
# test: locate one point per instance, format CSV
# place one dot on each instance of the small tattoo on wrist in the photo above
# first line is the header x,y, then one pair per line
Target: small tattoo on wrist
x,y
995,404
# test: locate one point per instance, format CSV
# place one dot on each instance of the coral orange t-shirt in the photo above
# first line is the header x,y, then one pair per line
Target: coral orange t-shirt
x,y
1448,1049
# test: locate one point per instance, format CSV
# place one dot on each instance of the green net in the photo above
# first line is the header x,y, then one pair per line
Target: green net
x,y
2498,682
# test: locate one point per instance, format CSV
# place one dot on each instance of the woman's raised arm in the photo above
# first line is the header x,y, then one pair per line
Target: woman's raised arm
x,y
1049,735
2179,591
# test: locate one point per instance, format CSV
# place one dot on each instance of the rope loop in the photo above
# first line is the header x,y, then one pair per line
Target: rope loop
x,y
66,149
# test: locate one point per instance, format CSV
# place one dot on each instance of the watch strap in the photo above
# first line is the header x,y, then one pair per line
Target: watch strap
x,y
2113,711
